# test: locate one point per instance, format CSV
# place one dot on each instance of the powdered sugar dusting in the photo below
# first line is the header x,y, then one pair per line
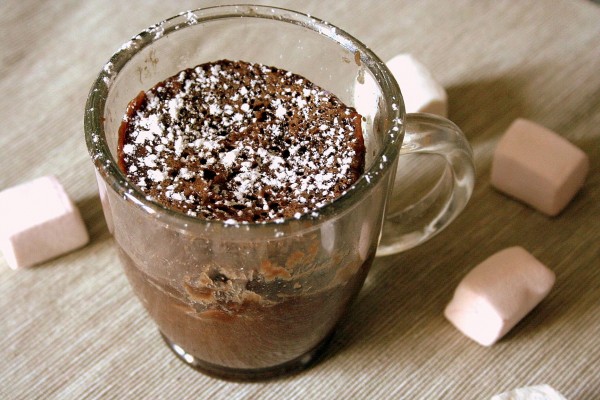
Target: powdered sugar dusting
x,y
242,142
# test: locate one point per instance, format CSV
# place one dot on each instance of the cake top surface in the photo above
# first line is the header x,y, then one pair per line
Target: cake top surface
x,y
235,141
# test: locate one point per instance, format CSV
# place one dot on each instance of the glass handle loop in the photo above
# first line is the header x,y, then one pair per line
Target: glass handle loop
x,y
430,136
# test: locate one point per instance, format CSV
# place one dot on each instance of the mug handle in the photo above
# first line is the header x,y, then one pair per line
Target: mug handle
x,y
431,136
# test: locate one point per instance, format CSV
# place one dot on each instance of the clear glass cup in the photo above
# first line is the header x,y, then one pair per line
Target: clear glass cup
x,y
253,301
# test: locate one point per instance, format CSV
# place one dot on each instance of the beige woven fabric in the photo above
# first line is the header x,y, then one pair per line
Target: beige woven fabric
x,y
72,329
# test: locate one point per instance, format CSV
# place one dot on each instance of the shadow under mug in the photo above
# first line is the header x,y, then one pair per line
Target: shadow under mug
x,y
253,301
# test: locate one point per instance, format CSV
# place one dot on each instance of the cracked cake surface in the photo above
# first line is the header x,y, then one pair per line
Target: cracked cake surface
x,y
240,142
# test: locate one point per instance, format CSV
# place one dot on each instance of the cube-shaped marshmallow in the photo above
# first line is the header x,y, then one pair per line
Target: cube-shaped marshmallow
x,y
420,91
539,392
497,294
38,221
539,167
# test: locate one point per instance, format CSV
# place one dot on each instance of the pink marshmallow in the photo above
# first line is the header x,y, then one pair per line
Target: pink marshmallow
x,y
497,294
539,167
38,222
420,91
538,392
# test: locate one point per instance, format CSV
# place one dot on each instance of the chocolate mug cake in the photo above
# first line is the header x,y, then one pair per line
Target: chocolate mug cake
x,y
244,143
247,230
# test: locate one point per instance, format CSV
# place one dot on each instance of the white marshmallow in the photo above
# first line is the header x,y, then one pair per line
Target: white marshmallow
x,y
539,392
365,97
421,92
535,165
38,221
497,294
365,239
328,235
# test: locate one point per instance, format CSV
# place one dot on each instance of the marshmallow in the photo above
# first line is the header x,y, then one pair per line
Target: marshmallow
x,y
366,98
419,89
539,167
38,221
497,294
539,392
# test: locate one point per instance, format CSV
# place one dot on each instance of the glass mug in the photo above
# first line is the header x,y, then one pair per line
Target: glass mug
x,y
253,301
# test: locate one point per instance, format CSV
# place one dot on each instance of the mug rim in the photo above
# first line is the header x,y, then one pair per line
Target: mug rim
x,y
107,167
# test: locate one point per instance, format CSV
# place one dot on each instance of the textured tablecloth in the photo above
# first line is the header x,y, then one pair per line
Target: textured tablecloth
x,y
71,328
